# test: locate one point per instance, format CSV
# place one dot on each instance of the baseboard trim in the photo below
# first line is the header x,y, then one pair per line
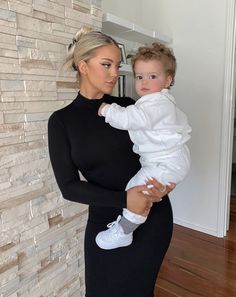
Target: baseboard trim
x,y
196,227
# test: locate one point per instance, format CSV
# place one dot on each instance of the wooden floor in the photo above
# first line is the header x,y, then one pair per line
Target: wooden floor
x,y
198,265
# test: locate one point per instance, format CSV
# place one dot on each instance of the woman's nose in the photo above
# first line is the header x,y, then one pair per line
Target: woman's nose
x,y
114,72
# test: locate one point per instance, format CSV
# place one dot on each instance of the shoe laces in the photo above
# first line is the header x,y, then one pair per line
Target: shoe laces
x,y
113,224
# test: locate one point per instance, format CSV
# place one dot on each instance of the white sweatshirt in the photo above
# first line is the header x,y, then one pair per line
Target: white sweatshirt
x,y
157,127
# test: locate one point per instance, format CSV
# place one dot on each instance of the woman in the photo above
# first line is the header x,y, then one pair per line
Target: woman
x,y
81,140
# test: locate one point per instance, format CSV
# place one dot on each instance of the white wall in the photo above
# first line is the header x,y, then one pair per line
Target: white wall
x,y
130,10
198,30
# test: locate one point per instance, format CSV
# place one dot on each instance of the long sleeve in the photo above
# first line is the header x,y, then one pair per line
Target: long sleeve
x,y
131,117
67,175
149,112
157,112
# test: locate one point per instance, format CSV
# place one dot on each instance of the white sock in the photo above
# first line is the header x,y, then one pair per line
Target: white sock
x,y
133,217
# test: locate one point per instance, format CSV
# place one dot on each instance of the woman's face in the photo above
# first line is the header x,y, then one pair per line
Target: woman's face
x,y
100,73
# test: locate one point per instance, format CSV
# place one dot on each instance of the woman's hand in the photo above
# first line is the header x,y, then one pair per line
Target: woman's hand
x,y
137,201
141,198
156,191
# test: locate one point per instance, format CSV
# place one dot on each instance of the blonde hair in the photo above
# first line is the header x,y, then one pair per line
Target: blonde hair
x,y
157,51
83,45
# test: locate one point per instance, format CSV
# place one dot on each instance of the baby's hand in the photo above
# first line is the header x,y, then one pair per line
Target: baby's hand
x,y
100,109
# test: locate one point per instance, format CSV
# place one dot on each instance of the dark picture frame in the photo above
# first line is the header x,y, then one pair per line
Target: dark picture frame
x,y
123,54
119,89
121,85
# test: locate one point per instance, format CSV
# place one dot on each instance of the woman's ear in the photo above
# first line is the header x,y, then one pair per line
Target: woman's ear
x,y
82,67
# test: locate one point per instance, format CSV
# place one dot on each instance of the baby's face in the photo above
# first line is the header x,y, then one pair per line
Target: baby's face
x,y
150,77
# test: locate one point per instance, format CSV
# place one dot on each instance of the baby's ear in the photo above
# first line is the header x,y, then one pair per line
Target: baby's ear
x,y
168,81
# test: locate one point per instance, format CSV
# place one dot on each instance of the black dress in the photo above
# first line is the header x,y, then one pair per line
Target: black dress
x,y
81,140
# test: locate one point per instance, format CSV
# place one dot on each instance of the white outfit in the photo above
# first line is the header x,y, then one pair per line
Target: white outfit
x,y
159,131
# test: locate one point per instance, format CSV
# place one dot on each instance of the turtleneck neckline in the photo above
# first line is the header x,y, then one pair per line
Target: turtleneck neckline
x,y
80,99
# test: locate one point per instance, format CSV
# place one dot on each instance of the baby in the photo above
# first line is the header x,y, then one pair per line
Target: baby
x,y
158,129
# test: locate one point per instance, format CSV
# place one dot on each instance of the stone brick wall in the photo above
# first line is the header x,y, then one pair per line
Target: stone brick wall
x,y
41,235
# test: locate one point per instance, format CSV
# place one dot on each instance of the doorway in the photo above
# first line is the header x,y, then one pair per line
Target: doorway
x,y
233,172
233,175
227,131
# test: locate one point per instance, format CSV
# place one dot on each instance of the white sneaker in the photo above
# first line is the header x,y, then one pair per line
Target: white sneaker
x,y
113,237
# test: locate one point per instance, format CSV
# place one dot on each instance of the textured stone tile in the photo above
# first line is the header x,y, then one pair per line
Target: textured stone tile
x,y
82,7
95,11
8,53
1,118
38,71
36,224
3,4
12,140
38,61
97,3
39,86
7,15
58,27
33,231
9,46
37,116
30,23
51,46
11,118
63,2
6,23
11,85
20,7
22,41
10,68
42,106
49,8
5,185
21,193
7,29
7,38
10,214
81,1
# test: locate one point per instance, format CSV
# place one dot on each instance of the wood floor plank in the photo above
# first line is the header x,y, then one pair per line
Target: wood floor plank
x,y
199,265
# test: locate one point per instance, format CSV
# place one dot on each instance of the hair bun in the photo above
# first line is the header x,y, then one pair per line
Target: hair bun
x,y
83,30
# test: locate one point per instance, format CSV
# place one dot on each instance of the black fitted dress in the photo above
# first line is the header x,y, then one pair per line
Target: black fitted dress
x,y
81,140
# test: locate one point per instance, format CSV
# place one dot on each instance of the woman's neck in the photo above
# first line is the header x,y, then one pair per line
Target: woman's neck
x,y
90,94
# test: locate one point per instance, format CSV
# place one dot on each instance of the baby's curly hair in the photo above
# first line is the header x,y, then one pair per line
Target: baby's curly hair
x,y
160,52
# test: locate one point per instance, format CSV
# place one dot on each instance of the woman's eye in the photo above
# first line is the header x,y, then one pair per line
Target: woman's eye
x,y
106,65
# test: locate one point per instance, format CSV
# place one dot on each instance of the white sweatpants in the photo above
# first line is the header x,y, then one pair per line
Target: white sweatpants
x,y
172,169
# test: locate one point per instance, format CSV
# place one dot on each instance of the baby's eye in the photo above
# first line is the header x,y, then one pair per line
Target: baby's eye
x,y
138,77
153,76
